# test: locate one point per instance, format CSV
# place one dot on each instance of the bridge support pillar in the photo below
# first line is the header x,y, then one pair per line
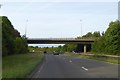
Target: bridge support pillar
x,y
84,48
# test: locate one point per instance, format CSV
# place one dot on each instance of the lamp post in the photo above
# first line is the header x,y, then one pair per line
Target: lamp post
x,y
1,5
81,27
26,29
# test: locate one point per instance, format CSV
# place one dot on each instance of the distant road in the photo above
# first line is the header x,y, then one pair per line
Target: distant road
x,y
60,66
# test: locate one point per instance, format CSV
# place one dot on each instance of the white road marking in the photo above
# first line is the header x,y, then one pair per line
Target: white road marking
x,y
39,70
70,61
85,68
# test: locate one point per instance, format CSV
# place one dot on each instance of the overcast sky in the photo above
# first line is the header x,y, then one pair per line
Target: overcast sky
x,y
59,19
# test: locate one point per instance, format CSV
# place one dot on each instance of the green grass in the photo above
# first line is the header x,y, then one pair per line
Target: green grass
x,y
111,60
19,66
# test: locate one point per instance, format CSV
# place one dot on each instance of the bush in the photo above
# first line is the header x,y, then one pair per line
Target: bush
x,y
20,45
110,41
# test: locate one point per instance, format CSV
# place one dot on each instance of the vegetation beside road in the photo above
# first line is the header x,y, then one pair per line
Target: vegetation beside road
x,y
109,43
12,42
95,57
42,49
20,65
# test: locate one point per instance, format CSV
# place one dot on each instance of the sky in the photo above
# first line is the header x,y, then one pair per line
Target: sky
x,y
59,18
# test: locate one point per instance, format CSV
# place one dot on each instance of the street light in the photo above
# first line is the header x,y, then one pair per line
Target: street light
x,y
81,27
1,5
26,29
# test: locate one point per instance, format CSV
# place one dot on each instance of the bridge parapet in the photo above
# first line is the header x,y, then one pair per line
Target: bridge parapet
x,y
86,39
51,38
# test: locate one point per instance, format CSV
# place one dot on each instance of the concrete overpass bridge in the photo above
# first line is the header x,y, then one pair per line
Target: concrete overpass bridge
x,y
81,41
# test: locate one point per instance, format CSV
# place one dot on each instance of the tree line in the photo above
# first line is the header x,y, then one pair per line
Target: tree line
x,y
12,42
76,47
107,42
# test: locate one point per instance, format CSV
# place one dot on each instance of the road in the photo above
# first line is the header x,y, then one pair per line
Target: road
x,y
60,66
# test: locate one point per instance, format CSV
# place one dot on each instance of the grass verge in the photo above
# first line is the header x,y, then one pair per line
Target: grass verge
x,y
95,57
19,66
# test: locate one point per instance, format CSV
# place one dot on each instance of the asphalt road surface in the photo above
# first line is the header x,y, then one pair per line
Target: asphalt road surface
x,y
60,66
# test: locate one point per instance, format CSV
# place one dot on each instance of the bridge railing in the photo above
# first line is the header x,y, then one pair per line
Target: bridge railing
x,y
60,39
51,38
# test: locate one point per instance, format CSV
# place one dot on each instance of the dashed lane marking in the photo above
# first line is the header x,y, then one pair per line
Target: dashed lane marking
x,y
70,61
85,68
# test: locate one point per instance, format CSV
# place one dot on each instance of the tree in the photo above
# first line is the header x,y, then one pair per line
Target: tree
x,y
65,47
89,34
20,45
59,48
36,46
96,34
112,37
109,43
9,37
103,33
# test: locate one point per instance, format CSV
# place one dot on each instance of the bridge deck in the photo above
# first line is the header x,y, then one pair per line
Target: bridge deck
x,y
59,41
